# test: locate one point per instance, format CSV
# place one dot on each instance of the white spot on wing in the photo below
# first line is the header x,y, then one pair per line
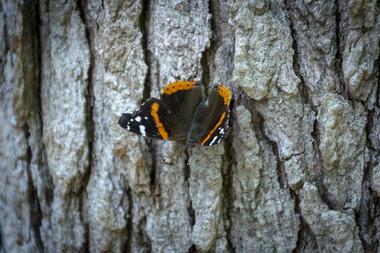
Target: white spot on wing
x,y
128,127
213,140
138,118
142,130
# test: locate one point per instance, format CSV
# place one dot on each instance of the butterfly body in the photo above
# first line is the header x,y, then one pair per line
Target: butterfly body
x,y
181,114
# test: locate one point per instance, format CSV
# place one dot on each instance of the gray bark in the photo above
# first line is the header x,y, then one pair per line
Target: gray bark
x,y
299,172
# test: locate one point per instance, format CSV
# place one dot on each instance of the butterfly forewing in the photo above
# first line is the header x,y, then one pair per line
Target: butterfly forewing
x,y
144,120
183,98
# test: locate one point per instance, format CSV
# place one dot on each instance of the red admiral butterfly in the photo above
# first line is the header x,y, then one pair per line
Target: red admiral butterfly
x,y
181,114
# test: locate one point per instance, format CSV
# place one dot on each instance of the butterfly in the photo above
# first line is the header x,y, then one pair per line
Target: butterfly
x,y
181,114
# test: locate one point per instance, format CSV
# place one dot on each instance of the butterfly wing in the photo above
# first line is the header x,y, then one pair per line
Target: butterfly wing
x,y
147,120
167,118
211,120
183,98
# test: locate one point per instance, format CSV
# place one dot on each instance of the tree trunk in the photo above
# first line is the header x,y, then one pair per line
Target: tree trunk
x,y
299,171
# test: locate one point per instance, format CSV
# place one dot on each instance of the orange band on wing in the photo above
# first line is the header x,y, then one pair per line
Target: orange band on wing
x,y
225,92
178,86
161,129
214,129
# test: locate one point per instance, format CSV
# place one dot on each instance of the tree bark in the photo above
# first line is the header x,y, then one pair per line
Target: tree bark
x,y
299,171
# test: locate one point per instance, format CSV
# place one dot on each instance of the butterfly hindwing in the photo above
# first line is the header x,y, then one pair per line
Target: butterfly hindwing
x,y
211,120
167,118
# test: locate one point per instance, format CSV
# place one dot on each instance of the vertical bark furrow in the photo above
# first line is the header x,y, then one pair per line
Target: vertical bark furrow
x,y
217,65
304,91
129,217
35,208
281,176
177,43
45,191
314,26
205,62
144,29
254,178
228,194
89,120
369,210
151,145
187,171
34,127
341,89
331,161
306,240
21,184
89,93
119,74
150,85
359,35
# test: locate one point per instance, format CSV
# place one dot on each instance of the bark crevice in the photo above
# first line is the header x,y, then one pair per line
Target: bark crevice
x,y
319,175
227,190
89,121
338,56
151,149
129,218
32,99
144,236
144,29
367,216
192,249
281,174
368,210
49,185
305,96
305,234
280,167
143,23
205,61
187,172
34,203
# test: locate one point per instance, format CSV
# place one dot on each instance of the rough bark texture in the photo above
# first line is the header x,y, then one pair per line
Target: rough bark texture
x,y
299,172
